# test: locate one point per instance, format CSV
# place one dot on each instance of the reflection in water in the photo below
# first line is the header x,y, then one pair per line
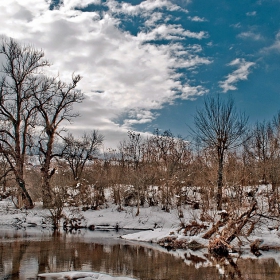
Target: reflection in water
x,y
24,256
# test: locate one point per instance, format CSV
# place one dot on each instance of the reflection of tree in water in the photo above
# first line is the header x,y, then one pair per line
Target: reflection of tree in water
x,y
245,268
13,255
68,252
64,253
227,267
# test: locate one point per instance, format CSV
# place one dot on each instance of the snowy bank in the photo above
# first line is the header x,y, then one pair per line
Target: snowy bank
x,y
80,275
184,229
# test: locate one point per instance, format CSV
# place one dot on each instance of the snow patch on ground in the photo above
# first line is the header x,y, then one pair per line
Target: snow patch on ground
x,y
80,275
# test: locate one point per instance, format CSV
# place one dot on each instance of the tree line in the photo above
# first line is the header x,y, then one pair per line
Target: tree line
x,y
223,156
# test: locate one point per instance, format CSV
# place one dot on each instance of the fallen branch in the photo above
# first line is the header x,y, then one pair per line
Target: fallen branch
x,y
242,220
214,229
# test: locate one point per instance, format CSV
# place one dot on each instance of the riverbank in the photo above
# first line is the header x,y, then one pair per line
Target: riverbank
x,y
175,229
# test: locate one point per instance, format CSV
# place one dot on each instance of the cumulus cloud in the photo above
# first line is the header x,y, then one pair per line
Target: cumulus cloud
x,y
124,75
71,4
240,74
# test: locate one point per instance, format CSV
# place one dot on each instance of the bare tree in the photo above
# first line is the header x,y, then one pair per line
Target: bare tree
x,y
54,100
20,75
264,151
6,176
220,127
259,147
131,153
171,154
77,152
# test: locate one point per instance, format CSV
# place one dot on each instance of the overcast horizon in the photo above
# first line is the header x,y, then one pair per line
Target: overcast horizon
x,y
149,64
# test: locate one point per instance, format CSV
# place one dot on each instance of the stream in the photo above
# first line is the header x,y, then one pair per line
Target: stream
x,y
25,253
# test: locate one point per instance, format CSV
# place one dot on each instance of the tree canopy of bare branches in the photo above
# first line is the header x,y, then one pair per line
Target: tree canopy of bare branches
x,y
54,103
220,127
77,152
30,104
20,75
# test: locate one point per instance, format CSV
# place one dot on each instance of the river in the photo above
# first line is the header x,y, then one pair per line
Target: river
x,y
26,253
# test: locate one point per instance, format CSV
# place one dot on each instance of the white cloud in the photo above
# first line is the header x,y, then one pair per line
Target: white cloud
x,y
236,25
170,32
155,18
189,92
196,18
193,61
250,35
240,74
121,72
275,46
70,4
251,14
143,7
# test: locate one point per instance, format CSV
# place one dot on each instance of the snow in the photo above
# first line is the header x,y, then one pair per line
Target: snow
x,y
80,275
149,218
148,236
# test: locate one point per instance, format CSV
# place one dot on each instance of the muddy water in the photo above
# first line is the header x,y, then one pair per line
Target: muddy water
x,y
24,254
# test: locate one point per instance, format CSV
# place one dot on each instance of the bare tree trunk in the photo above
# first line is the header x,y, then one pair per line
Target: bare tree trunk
x,y
46,174
138,202
46,190
220,183
24,199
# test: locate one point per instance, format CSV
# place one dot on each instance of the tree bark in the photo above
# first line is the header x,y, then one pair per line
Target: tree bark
x,y
26,199
220,181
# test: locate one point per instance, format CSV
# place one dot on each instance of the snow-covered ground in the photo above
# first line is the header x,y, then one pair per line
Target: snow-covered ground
x,y
78,275
107,218
152,224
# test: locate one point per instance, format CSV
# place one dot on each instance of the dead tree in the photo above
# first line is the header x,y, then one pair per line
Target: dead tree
x,y
232,229
219,127
77,152
54,100
170,153
264,149
131,155
20,76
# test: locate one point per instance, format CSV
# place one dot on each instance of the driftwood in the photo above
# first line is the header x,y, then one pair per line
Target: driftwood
x,y
214,229
220,245
239,223
194,228
216,226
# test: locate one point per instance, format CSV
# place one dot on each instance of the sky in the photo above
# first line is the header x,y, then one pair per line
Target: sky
x,y
149,64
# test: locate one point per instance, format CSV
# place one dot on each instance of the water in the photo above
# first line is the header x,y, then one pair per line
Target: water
x,y
25,253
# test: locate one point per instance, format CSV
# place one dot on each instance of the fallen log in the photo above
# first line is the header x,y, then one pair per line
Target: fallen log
x,y
220,246
215,228
241,222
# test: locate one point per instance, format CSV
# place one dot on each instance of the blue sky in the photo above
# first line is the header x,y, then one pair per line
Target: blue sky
x,y
149,64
